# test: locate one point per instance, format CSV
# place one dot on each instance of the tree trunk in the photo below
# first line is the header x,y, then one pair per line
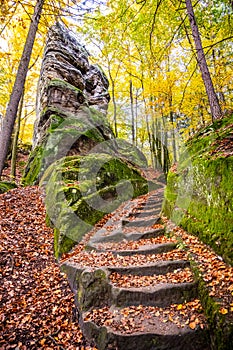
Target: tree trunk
x,y
136,117
173,136
166,164
212,97
114,109
16,139
11,112
132,110
114,102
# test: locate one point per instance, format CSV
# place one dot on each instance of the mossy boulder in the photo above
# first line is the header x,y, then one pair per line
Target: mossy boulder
x,y
68,134
131,153
81,190
199,193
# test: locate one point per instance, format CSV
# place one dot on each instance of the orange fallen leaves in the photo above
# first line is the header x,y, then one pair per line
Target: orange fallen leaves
x,y
223,311
192,325
36,301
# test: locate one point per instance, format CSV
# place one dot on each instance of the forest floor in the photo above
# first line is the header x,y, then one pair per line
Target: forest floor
x,y
37,307
36,304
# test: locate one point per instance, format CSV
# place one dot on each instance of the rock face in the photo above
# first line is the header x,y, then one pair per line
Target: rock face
x,y
72,103
205,183
67,80
87,172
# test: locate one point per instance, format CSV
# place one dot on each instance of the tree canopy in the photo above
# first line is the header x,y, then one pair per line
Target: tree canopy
x,y
147,49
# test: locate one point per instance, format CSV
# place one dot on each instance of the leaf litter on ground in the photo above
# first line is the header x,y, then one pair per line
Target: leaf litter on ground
x,y
37,309
141,318
128,281
37,306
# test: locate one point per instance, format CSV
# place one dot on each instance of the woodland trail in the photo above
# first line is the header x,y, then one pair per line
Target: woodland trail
x,y
150,298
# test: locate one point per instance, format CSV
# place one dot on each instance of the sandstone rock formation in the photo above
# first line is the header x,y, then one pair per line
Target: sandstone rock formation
x,y
72,102
88,172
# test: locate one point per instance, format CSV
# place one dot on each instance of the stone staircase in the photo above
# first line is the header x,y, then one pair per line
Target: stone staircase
x,y
134,288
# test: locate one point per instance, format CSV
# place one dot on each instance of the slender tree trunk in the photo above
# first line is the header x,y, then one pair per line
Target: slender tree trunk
x,y
11,112
153,145
147,125
114,109
150,140
114,102
158,141
173,138
212,96
136,119
166,164
132,110
16,139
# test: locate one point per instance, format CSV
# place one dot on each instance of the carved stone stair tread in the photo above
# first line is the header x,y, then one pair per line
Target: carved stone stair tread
x,y
151,205
133,218
146,249
147,234
153,201
161,295
103,236
182,274
74,270
148,333
141,223
144,213
158,268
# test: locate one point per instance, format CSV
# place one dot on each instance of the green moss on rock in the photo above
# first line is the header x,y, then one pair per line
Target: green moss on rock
x,y
81,190
66,133
33,167
6,186
63,84
206,185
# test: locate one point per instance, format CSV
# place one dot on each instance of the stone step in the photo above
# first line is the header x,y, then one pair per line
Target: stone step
x,y
74,271
152,204
145,328
103,236
158,268
143,235
178,275
157,206
153,201
141,223
160,295
147,249
143,249
145,213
